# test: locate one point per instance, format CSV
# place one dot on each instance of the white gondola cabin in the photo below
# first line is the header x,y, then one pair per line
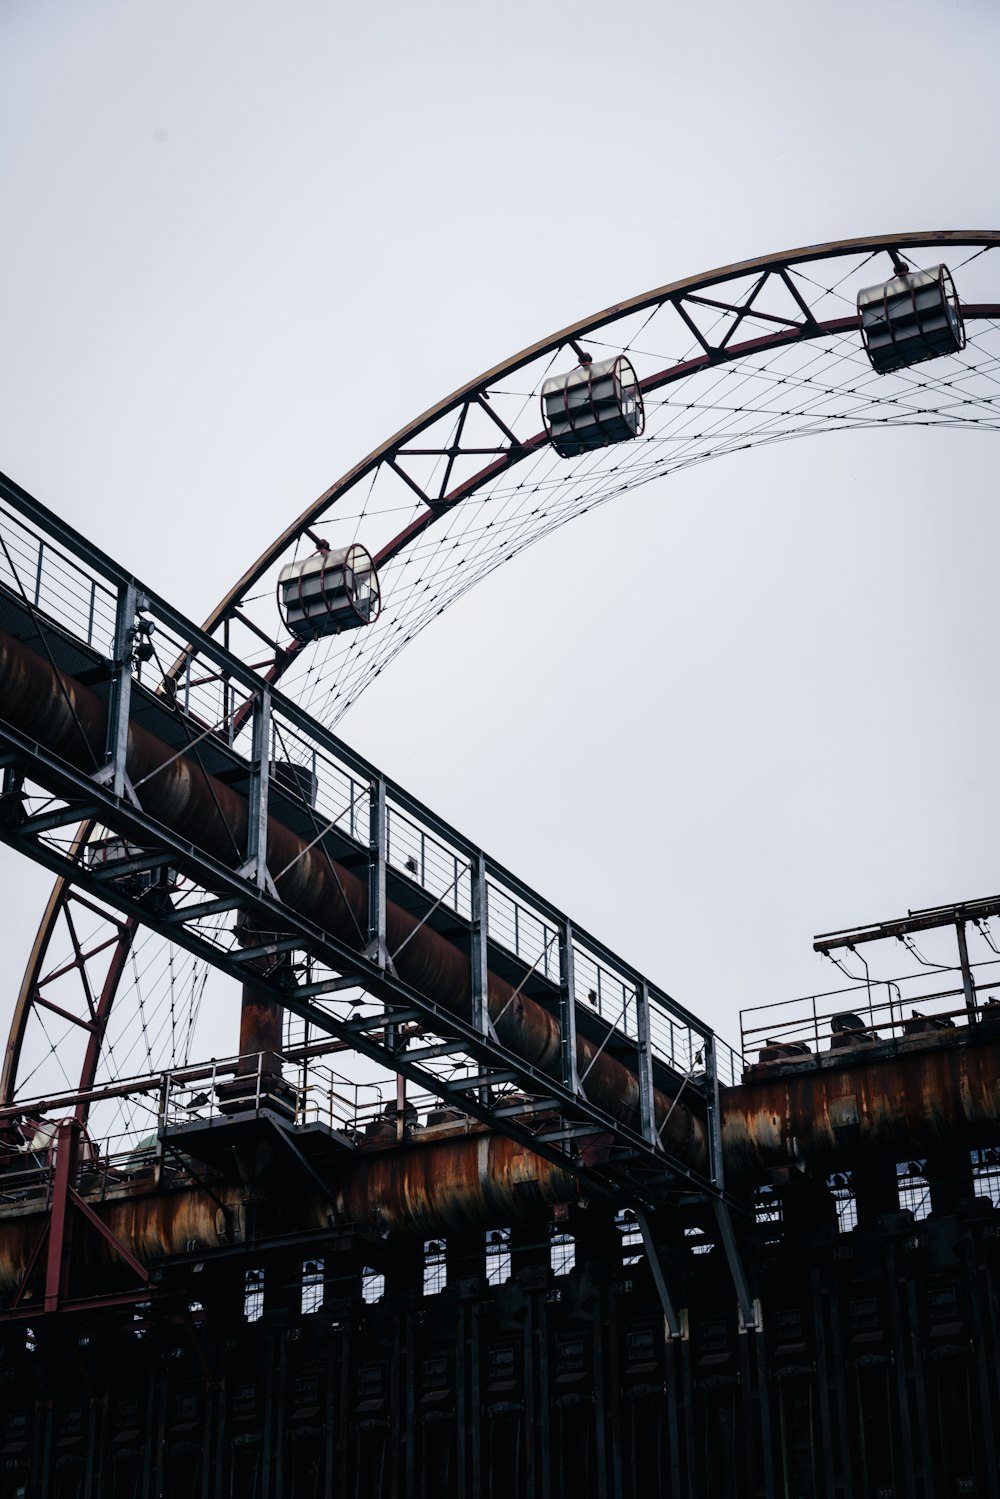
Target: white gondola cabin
x,y
592,406
329,592
913,317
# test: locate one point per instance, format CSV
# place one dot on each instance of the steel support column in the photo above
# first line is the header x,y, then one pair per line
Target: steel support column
x,y
60,1225
255,867
378,828
647,1114
567,1009
749,1310
480,955
113,773
671,1318
968,987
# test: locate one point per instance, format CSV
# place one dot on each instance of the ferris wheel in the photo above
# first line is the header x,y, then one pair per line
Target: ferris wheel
x,y
854,334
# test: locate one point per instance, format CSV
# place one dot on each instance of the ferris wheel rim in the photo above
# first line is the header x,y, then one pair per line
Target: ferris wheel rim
x,y
568,336
583,327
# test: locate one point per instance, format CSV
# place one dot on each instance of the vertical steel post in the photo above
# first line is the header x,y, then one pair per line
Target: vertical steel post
x,y
474,1314
715,1168
479,909
400,1094
116,747
671,1320
377,830
749,1309
261,1017
260,768
968,987
567,1008
57,1263
647,1113
749,1314
480,937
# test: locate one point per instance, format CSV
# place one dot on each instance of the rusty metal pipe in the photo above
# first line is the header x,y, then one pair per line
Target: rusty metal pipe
x,y
261,1021
929,1096
70,721
475,1181
480,1180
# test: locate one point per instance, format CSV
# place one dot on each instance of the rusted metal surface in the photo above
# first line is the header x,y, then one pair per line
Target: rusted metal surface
x,y
928,1096
152,1223
913,1097
69,720
260,1027
474,1180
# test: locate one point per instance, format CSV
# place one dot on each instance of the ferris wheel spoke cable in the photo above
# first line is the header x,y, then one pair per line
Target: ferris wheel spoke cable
x,y
778,416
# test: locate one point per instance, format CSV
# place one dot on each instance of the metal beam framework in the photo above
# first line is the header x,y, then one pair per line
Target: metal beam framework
x,y
927,919
636,1169
742,311
752,308
732,299
317,968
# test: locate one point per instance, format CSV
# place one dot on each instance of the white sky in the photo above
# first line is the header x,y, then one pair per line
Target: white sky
x,y
242,243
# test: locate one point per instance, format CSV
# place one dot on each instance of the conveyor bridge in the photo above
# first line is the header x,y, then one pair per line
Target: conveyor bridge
x,y
446,968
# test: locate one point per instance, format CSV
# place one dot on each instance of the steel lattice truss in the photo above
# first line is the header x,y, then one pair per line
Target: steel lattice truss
x,y
748,356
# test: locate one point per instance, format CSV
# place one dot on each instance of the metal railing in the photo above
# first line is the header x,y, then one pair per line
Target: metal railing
x,y
82,599
244,733
870,1011
312,1093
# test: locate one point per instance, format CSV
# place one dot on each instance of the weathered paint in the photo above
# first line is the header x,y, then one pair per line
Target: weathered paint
x,y
908,1098
479,1181
475,1180
153,1224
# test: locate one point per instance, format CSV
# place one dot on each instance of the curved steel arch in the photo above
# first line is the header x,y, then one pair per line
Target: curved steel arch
x,y
511,449
672,291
